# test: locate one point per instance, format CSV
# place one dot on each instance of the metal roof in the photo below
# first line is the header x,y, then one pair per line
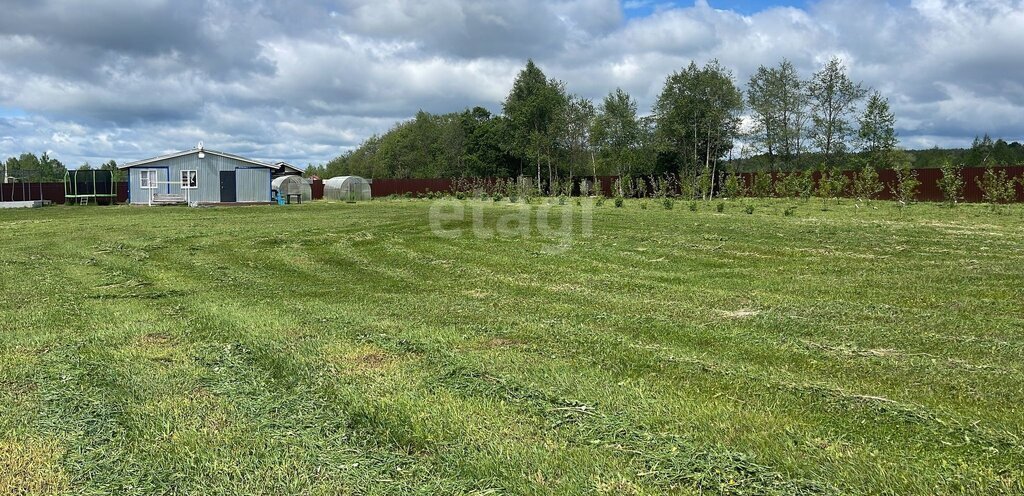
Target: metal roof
x,y
282,165
196,150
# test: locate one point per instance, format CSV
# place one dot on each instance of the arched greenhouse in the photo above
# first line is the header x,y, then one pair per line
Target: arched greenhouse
x,y
292,185
347,188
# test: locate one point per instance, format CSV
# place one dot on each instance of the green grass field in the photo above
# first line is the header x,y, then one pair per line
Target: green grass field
x,y
345,349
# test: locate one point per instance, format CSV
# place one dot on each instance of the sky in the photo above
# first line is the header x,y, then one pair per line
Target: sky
x,y
305,81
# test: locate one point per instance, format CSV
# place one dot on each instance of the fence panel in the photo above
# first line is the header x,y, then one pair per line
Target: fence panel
x,y
929,189
47,191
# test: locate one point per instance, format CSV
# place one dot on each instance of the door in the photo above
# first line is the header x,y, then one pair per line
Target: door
x,y
227,186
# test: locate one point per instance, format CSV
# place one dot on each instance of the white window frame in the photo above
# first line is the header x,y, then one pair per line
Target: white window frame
x,y
184,179
148,178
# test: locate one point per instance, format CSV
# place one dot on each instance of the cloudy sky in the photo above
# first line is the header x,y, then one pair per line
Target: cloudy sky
x,y
304,81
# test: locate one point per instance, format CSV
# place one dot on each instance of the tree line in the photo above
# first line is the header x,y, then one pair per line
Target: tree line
x,y
29,167
827,121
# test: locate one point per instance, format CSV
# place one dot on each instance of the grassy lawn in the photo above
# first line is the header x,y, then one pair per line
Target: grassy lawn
x,y
345,349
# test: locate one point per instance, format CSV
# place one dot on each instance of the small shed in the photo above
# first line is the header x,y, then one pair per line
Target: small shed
x,y
286,169
292,185
347,188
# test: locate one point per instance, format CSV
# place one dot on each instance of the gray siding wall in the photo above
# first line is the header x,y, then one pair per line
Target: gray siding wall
x,y
252,182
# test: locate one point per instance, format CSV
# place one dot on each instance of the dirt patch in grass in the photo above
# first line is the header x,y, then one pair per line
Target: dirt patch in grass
x,y
743,313
361,360
159,348
371,360
30,466
618,487
17,389
476,294
894,355
154,339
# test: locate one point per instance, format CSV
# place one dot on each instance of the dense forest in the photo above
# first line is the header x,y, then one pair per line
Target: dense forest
x,y
694,127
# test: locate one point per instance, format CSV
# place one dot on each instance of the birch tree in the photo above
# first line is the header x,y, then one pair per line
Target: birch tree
x,y
698,117
778,105
533,107
877,133
833,100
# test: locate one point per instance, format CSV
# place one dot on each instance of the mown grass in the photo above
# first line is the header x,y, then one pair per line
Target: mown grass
x,y
345,349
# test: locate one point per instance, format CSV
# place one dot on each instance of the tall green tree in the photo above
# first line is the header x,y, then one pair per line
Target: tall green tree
x,y
487,146
29,167
617,133
833,99
451,146
575,125
698,116
981,152
778,105
877,133
533,107
111,166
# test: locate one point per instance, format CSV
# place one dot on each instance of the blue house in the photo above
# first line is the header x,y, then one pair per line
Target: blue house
x,y
198,176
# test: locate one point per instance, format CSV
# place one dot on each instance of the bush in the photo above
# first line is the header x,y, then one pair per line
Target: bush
x,y
951,183
617,188
866,185
693,206
561,199
643,205
789,185
733,186
996,187
749,209
788,212
663,187
904,190
585,187
831,184
600,200
668,203
641,187
688,186
511,191
762,185
705,183
796,184
720,207
806,185
618,202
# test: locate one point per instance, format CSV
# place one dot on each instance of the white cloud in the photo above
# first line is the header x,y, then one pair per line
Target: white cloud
x,y
302,82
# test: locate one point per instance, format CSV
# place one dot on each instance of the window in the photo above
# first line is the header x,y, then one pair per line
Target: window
x,y
147,179
189,179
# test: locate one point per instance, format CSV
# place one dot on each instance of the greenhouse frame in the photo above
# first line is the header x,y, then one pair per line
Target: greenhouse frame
x,y
347,188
